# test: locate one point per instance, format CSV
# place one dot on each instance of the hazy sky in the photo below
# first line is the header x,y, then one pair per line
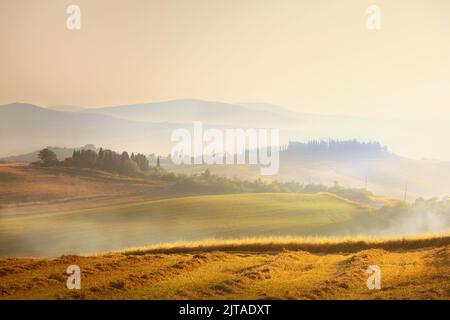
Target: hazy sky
x,y
310,56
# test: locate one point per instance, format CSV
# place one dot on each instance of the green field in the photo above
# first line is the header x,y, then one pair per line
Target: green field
x,y
177,219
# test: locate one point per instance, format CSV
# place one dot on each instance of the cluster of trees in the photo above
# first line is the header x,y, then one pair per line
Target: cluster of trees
x,y
423,216
104,159
47,157
109,160
437,205
334,146
207,182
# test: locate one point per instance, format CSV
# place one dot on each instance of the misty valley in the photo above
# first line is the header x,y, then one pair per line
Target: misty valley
x,y
186,150
103,190
98,200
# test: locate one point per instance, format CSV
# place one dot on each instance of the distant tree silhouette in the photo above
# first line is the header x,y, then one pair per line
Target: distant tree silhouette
x,y
334,147
141,161
206,182
101,154
207,173
109,160
125,156
47,157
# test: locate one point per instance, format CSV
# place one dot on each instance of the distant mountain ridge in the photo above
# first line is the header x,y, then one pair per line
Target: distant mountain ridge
x,y
147,127
67,108
408,137
25,128
210,112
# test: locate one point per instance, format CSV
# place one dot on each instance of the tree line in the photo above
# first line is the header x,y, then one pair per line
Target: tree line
x,y
334,146
104,159
202,183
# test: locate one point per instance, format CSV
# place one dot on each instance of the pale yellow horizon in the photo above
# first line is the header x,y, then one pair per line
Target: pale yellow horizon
x,y
308,56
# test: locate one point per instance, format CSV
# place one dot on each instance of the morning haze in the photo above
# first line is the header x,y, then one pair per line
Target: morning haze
x,y
92,122
311,57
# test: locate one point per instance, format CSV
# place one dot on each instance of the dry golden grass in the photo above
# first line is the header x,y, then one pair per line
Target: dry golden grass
x,y
416,268
310,244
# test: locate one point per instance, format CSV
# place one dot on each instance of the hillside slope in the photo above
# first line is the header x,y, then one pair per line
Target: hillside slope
x,y
25,128
147,128
168,220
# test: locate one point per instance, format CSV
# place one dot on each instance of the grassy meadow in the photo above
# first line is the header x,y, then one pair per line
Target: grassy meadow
x,y
167,220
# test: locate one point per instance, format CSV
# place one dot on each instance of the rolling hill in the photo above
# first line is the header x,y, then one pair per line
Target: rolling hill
x,y
25,128
176,219
147,128
210,112
408,137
